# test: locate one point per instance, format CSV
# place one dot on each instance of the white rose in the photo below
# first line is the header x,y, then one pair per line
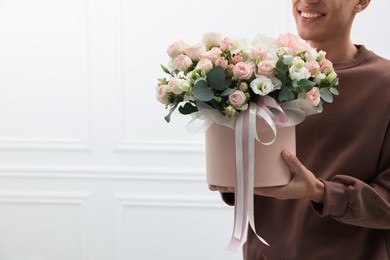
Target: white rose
x,y
195,52
162,95
262,85
204,64
174,86
182,62
176,48
212,39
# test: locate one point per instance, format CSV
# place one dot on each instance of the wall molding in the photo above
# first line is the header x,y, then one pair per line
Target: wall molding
x,y
168,201
51,198
68,144
105,173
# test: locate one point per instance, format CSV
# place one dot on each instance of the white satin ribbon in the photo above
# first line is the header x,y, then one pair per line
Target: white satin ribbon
x,y
275,115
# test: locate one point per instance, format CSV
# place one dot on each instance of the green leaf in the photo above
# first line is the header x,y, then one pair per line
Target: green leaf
x,y
334,91
228,82
305,85
216,78
227,92
326,95
166,70
202,91
281,67
187,109
168,117
285,95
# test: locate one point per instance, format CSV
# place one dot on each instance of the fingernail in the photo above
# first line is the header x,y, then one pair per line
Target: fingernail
x,y
286,154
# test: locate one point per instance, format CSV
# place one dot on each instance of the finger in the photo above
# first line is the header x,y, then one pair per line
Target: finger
x,y
213,187
293,162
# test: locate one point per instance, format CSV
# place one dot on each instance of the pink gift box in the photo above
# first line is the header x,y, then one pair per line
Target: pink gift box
x,y
270,169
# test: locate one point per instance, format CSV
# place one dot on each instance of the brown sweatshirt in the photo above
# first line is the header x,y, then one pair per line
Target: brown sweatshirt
x,y
347,146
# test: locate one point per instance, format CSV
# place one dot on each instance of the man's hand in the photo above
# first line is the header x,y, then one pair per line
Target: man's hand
x,y
303,185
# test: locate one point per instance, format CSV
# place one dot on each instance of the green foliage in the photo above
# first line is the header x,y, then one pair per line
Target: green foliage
x,y
326,95
216,78
202,91
187,109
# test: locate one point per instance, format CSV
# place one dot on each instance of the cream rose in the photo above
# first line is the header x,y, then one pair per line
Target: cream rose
x,y
313,96
259,53
204,64
212,39
174,86
238,100
293,41
313,67
326,66
162,95
176,48
182,62
243,70
222,62
196,51
226,44
213,54
265,68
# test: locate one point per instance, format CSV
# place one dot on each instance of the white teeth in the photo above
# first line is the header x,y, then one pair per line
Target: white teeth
x,y
310,15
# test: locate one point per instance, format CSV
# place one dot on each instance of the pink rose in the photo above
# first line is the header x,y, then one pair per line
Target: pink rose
x,y
229,70
226,44
176,48
204,64
230,111
243,86
293,41
313,96
174,86
212,39
259,52
213,54
313,67
182,62
195,52
265,68
162,95
326,66
243,70
221,62
238,100
237,57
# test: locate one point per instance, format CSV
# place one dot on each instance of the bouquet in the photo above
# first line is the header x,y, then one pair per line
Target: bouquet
x,y
226,74
233,81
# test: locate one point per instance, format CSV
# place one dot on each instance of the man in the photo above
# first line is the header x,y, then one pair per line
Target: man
x,y
337,206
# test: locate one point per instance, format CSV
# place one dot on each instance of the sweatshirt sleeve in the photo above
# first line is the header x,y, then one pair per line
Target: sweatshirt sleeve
x,y
352,201
228,198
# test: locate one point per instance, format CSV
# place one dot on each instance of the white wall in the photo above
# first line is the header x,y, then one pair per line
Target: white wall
x,y
88,167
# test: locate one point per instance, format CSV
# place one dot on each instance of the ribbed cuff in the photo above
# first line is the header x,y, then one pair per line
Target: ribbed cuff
x,y
335,200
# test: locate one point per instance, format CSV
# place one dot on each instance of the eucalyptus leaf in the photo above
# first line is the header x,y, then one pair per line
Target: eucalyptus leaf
x,y
334,91
326,95
202,91
187,109
216,78
228,82
305,85
227,92
168,117
281,67
285,95
288,60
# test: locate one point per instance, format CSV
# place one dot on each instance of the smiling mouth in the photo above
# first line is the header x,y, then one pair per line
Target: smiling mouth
x,y
310,15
